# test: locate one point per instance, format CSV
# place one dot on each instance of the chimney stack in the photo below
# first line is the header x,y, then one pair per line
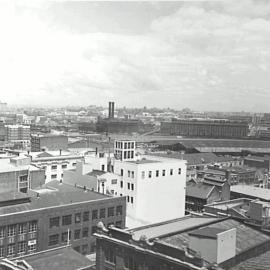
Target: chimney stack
x,y
111,109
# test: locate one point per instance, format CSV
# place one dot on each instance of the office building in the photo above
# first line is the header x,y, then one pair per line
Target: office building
x,y
55,215
48,142
205,128
15,133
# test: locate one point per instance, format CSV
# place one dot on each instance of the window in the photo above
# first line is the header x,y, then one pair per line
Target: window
x,y
23,178
33,226
157,173
2,252
118,224
86,216
179,171
122,172
171,171
110,255
84,249
94,229
74,164
119,210
114,181
131,199
103,167
65,236
102,213
53,239
121,184
64,166
150,174
11,230
94,214
22,247
128,173
54,167
110,211
132,174
85,232
132,186
128,185
77,234
32,247
2,232
66,220
127,198
143,174
77,217
54,222
54,176
163,172
11,250
22,228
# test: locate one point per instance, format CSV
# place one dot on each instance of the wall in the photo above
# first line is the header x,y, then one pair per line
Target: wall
x,y
226,245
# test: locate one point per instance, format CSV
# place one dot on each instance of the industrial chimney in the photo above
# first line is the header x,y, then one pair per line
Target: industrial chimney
x,y
111,109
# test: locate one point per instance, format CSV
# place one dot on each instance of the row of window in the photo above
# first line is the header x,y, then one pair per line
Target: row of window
x,y
21,228
158,173
21,248
85,216
130,199
126,145
63,166
77,234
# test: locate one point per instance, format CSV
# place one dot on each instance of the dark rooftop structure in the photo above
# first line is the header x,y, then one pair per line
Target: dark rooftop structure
x,y
198,190
207,232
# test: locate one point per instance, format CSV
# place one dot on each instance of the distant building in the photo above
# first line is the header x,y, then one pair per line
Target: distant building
x,y
56,215
191,242
259,162
48,142
15,133
205,128
18,175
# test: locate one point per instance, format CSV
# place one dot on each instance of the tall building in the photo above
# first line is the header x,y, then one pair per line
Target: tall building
x,y
144,180
55,215
17,133
205,128
50,142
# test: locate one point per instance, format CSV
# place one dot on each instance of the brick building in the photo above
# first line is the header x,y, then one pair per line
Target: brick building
x,y
55,215
205,128
48,142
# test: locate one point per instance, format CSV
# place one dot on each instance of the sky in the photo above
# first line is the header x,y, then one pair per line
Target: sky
x,y
205,55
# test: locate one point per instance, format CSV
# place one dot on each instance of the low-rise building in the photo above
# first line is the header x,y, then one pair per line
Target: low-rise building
x,y
48,142
54,215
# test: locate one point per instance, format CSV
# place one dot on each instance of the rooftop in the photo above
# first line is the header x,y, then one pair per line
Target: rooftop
x,y
142,161
54,194
64,258
171,227
7,166
207,232
261,262
246,236
256,192
198,190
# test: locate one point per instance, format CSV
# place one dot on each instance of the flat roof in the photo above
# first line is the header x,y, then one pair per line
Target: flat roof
x,y
7,166
207,232
198,190
256,192
57,194
143,161
64,258
170,227
246,236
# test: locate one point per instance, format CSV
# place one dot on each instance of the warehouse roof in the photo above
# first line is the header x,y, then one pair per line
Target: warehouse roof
x,y
198,190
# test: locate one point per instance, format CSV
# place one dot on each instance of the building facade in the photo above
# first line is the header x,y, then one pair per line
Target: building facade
x,y
205,128
15,133
48,142
54,216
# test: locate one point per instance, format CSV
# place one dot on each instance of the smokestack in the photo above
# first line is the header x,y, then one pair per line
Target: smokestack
x,y
110,110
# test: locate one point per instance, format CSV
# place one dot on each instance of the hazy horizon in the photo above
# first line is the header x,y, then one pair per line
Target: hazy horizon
x,y
207,56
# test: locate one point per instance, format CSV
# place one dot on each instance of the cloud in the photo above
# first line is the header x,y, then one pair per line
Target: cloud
x,y
209,56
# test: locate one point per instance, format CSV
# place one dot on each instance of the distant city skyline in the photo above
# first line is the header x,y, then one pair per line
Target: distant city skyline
x,y
208,56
